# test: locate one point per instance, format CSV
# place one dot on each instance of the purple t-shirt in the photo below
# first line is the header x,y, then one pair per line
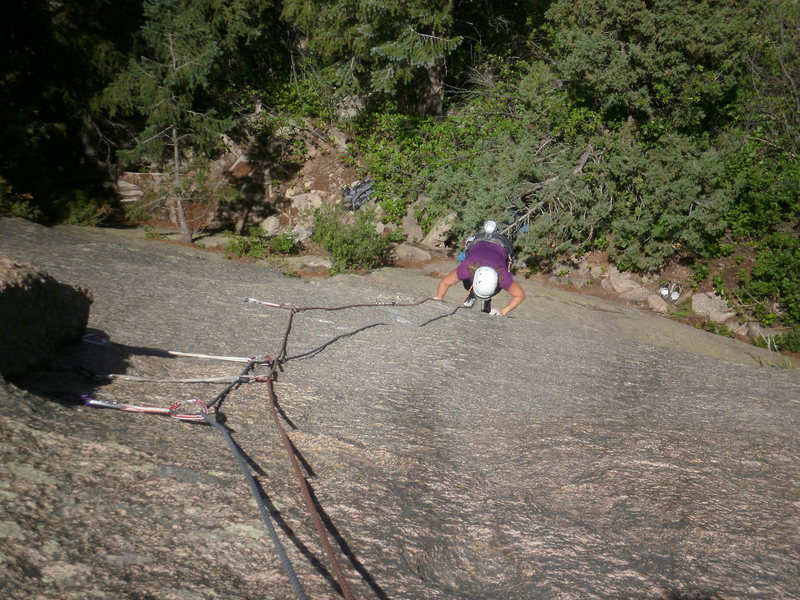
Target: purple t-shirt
x,y
486,254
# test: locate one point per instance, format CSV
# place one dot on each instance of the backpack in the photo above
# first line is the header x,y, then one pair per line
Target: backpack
x,y
494,238
359,194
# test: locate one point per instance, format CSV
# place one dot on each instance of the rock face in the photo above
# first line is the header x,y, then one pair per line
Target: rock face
x,y
578,450
38,314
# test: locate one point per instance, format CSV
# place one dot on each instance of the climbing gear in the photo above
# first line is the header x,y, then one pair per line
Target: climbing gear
x,y
297,587
274,365
359,194
484,282
172,411
495,238
490,234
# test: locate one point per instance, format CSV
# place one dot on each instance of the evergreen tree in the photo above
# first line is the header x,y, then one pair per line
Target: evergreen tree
x,y
664,65
379,46
167,85
54,58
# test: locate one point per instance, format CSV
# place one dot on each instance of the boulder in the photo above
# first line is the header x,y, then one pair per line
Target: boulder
x,y
39,315
128,192
307,202
712,306
406,254
309,261
622,283
302,233
636,294
410,226
339,139
271,225
741,329
438,234
657,304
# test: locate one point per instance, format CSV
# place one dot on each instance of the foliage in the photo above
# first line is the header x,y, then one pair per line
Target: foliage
x,y
79,208
775,278
718,328
197,186
54,57
257,244
351,239
770,103
283,243
764,184
13,204
669,199
670,65
375,46
785,341
645,202
699,276
681,312
166,84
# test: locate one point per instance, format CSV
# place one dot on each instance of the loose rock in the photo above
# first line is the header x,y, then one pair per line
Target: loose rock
x,y
712,306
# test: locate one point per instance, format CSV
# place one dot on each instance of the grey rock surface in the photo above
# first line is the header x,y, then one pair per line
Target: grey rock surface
x,y
580,449
712,306
37,315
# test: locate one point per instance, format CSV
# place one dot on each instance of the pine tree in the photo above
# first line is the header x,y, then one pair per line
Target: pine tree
x,y
167,86
54,58
664,64
379,46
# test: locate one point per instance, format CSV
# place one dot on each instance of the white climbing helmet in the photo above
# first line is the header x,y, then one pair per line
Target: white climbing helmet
x,y
484,283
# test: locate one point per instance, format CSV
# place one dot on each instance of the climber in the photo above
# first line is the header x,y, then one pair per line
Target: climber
x,y
484,271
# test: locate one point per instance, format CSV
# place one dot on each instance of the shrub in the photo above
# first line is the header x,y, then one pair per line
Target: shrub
x,y
257,244
787,341
775,274
354,245
13,204
283,243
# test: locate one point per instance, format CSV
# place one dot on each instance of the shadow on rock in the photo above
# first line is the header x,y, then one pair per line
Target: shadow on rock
x,y
82,369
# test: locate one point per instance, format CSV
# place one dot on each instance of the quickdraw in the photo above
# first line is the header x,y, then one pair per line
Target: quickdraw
x,y
172,411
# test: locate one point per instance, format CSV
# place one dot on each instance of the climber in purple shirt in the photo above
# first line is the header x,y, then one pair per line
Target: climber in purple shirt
x,y
484,272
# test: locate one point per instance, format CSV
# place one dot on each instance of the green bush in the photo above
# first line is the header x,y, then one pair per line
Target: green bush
x,y
774,277
13,204
352,245
283,243
257,244
80,208
788,341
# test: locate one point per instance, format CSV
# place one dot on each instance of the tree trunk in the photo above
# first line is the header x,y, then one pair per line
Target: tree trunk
x,y
177,202
432,99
